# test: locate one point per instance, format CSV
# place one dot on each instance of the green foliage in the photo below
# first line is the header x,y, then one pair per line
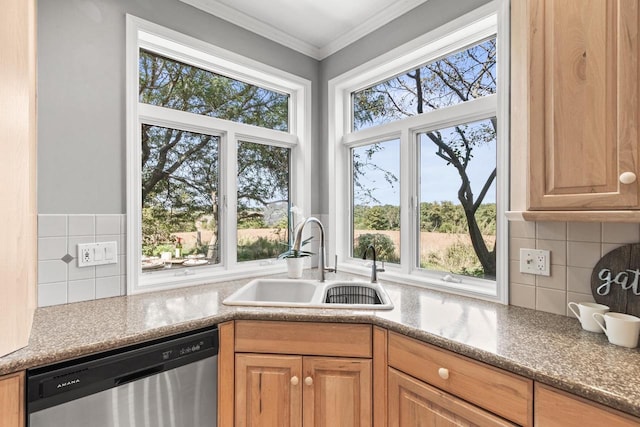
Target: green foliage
x,y
260,248
459,258
385,249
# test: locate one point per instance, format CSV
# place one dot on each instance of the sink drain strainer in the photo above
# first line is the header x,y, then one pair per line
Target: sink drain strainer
x,y
352,295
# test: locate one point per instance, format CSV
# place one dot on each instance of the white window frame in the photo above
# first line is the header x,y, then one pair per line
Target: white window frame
x,y
486,21
183,48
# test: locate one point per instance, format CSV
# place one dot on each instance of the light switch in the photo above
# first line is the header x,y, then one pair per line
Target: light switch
x,y
97,254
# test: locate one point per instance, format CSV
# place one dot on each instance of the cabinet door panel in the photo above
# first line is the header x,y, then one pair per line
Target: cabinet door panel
x,y
11,400
266,396
413,403
582,102
554,408
340,392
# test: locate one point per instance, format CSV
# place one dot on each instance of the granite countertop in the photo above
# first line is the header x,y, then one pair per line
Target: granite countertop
x,y
545,347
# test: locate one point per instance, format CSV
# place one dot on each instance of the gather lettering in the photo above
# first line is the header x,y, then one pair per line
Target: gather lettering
x,y
627,279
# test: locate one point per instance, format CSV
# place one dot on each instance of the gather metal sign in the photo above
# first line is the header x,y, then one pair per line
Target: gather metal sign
x,y
615,280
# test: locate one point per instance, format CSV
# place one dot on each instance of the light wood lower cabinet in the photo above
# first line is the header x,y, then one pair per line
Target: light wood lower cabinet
x,y
12,400
413,403
282,391
555,408
303,374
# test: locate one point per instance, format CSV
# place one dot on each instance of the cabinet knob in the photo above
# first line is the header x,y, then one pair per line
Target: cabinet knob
x,y
444,373
308,381
627,177
294,380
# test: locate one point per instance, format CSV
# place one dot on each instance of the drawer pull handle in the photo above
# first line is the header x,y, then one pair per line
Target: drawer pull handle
x,y
308,381
627,178
444,373
294,380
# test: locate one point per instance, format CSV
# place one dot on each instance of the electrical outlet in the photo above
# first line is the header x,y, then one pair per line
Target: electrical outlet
x,y
535,261
97,254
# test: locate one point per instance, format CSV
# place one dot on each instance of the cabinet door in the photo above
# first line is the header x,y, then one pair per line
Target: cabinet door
x,y
554,408
575,100
337,392
268,391
413,403
11,398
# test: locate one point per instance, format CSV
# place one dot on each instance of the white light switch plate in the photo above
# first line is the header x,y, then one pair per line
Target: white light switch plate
x,y
535,261
97,254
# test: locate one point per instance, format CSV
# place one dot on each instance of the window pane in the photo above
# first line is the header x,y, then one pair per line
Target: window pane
x,y
179,196
172,84
458,199
263,201
376,199
457,78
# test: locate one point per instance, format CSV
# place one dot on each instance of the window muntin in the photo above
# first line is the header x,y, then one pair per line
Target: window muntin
x,y
457,199
263,200
180,184
169,83
376,199
458,77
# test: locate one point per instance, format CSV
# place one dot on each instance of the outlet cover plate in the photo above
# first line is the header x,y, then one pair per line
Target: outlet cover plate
x,y
101,253
535,261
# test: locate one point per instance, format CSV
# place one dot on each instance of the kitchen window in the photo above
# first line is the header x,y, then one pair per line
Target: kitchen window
x,y
217,156
421,134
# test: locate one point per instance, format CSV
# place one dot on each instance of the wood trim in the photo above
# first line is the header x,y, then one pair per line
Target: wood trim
x,y
226,371
556,408
18,221
380,361
575,216
501,392
12,400
303,338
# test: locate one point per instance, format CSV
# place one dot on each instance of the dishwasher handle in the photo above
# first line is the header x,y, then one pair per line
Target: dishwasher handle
x,y
123,379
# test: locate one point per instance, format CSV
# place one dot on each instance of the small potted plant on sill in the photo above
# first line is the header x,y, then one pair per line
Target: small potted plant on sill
x,y
295,258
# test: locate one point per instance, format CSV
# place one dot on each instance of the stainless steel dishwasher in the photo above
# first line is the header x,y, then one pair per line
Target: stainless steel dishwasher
x,y
164,383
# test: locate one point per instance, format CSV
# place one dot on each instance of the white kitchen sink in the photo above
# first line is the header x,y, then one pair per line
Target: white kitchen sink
x,y
311,294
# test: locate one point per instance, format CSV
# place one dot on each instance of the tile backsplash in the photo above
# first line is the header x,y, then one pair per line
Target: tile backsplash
x,y
60,280
575,249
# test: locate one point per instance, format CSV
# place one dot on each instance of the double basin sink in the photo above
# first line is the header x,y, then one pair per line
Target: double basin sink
x,y
311,294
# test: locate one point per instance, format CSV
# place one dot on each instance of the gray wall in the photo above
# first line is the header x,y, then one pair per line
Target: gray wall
x,y
81,93
407,27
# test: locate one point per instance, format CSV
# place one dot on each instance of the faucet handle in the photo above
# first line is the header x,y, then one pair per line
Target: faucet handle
x,y
335,264
381,269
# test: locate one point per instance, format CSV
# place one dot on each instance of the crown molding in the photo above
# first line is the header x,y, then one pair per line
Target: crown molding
x,y
221,10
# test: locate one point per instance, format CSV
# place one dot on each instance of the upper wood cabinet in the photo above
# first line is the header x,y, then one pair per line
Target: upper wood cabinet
x,y
575,105
18,253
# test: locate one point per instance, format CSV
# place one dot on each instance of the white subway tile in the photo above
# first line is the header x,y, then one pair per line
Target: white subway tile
x,y
583,254
579,279
522,229
52,294
108,224
52,271
82,225
515,276
108,270
52,225
123,224
551,230
551,301
50,248
516,243
79,273
72,246
620,232
107,287
82,290
522,295
584,232
608,247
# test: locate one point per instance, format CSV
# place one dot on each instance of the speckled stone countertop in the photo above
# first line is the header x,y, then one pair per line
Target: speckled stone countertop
x,y
548,348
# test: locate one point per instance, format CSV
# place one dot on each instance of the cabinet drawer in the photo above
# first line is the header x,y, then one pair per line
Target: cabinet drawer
x,y
555,408
318,339
493,389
